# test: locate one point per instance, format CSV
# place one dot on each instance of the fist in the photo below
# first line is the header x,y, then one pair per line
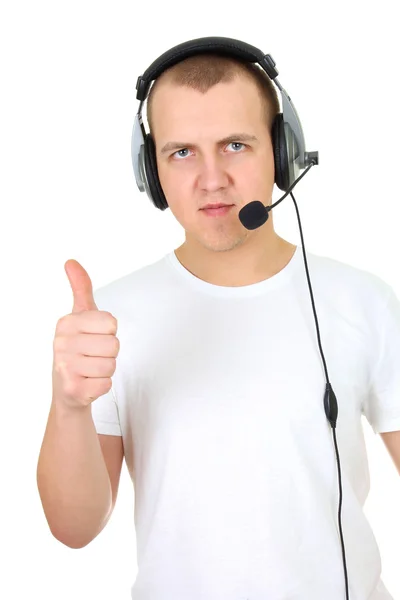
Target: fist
x,y
85,345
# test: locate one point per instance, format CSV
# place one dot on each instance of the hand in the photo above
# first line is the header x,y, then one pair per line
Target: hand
x,y
85,346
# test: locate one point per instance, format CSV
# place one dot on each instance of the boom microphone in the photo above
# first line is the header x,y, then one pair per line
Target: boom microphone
x,y
255,214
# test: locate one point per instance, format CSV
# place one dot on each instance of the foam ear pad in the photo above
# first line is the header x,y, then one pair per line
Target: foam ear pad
x,y
280,153
150,163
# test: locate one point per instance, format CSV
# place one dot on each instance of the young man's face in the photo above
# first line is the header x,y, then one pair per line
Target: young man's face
x,y
201,170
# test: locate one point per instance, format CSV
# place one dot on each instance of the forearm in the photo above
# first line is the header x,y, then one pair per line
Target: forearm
x,y
72,477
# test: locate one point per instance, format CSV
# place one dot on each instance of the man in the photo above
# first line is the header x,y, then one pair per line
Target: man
x,y
217,398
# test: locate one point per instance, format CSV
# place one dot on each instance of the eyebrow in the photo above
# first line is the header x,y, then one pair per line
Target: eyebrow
x,y
234,137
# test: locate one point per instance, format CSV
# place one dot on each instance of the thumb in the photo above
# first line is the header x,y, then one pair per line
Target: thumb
x,y
81,286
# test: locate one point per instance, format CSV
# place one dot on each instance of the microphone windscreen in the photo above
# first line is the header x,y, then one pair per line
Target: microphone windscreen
x,y
253,215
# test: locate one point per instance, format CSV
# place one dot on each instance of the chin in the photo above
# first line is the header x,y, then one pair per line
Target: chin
x,y
222,244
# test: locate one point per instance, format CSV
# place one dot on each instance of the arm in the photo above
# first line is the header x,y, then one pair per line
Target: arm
x,y
391,440
72,477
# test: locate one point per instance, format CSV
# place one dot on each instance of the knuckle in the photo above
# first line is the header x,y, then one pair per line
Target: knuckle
x,y
113,323
61,323
110,321
60,367
59,343
110,368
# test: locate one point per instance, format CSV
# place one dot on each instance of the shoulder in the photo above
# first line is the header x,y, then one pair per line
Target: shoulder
x,y
348,284
134,289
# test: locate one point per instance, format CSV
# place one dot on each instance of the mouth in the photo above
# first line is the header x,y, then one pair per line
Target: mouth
x,y
215,210
216,205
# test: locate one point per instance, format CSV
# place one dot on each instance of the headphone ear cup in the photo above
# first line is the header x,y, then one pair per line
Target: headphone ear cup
x,y
150,163
280,153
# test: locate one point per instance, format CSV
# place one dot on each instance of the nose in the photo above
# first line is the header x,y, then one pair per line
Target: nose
x,y
213,175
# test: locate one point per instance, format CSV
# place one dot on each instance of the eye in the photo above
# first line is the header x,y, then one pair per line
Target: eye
x,y
179,156
236,144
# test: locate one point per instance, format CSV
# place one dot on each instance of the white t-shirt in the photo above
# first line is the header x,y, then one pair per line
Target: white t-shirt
x,y
218,394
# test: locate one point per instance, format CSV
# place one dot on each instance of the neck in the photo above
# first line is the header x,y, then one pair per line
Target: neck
x,y
238,266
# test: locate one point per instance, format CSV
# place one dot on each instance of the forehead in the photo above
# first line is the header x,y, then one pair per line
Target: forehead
x,y
178,109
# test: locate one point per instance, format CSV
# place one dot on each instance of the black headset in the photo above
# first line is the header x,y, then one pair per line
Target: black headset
x,y
287,133
289,155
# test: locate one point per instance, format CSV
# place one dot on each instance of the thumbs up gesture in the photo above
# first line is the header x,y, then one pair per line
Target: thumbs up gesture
x,y
85,346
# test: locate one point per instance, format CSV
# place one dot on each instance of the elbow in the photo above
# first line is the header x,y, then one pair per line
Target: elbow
x,y
70,541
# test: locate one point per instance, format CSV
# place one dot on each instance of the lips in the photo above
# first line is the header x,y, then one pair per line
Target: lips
x,y
220,205
217,210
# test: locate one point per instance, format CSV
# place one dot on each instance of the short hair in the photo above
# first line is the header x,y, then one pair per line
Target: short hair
x,y
202,71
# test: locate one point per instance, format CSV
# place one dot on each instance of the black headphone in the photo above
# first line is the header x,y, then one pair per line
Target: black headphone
x,y
287,133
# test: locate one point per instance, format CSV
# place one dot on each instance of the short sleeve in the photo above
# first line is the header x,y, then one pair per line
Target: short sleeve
x,y
382,404
105,414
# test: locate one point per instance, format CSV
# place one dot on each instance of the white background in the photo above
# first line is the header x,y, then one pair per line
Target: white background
x,y
68,100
